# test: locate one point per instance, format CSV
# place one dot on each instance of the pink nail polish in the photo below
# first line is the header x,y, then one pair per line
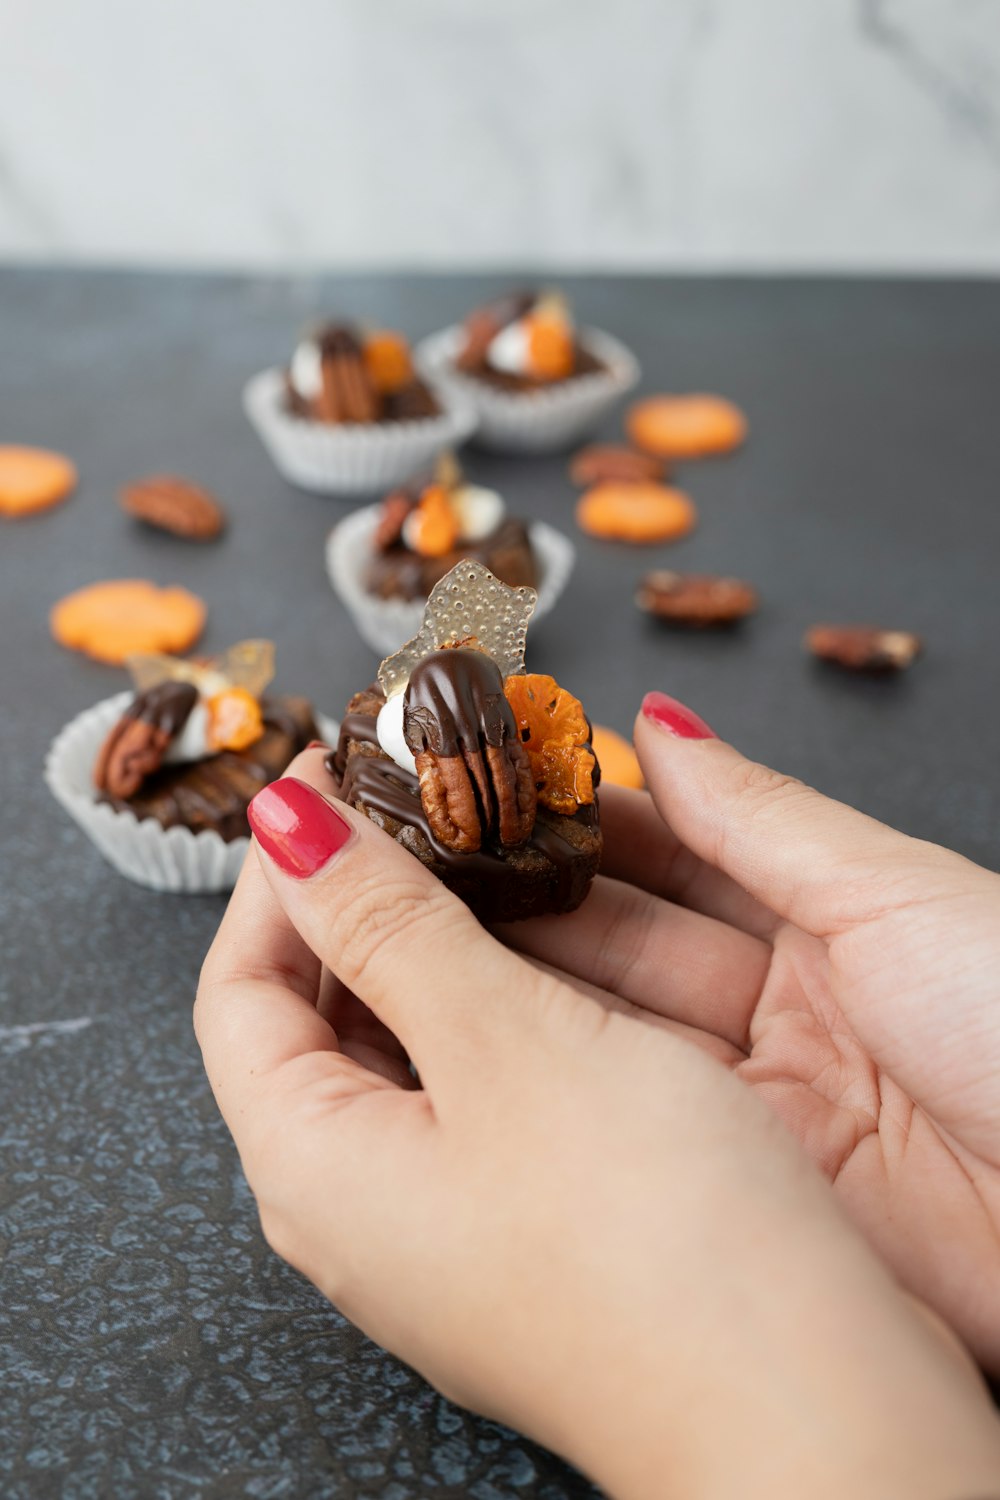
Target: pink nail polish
x,y
296,827
317,745
679,721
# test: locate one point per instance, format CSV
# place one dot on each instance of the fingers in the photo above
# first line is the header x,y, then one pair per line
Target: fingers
x,y
813,861
388,929
672,962
255,1010
640,848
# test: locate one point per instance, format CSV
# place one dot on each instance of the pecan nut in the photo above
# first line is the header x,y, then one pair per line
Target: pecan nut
x,y
864,648
461,793
695,599
133,750
347,394
603,463
174,505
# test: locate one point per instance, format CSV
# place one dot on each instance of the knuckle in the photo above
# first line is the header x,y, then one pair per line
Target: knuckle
x,y
758,788
383,913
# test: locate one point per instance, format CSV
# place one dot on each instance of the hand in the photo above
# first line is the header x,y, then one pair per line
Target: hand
x,y
579,1224
850,975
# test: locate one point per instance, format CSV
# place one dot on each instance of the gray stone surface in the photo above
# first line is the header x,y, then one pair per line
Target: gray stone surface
x,y
150,1344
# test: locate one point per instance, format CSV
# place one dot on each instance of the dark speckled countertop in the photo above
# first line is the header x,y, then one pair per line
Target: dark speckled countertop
x,y
150,1344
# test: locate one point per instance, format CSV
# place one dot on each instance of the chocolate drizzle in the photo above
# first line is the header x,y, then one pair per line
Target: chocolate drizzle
x,y
167,706
453,698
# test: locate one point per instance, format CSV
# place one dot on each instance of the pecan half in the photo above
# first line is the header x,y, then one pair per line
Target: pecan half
x,y
347,394
174,505
602,462
462,792
133,750
695,599
864,648
395,509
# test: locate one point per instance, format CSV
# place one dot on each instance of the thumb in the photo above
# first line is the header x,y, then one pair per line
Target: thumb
x,y
813,861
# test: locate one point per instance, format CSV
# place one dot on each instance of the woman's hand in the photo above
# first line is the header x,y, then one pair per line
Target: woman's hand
x,y
579,1224
849,974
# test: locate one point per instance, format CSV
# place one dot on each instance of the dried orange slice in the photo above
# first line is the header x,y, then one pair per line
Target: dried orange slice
x,y
432,529
387,361
112,621
234,720
554,730
618,761
32,479
639,513
550,348
686,426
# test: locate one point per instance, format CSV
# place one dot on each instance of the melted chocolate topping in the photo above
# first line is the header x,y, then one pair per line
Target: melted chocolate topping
x,y
454,698
167,706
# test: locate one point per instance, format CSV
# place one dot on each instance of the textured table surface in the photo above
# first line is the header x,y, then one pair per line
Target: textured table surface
x,y
150,1344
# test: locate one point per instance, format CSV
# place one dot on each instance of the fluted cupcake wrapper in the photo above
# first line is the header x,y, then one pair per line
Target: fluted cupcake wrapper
x,y
536,421
387,623
352,458
165,859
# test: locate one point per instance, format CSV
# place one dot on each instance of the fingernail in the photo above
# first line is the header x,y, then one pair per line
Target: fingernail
x,y
666,713
296,827
317,745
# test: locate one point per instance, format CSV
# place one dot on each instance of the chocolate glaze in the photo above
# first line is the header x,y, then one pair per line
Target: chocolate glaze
x,y
167,706
454,699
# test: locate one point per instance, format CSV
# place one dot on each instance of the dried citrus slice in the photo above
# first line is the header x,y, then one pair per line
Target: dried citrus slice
x,y
564,776
111,621
639,513
33,479
686,426
387,361
234,720
432,529
550,347
554,730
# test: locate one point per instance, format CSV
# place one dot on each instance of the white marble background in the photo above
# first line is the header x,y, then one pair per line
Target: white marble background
x,y
745,134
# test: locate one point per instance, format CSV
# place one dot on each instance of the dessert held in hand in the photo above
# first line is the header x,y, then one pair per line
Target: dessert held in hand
x,y
483,771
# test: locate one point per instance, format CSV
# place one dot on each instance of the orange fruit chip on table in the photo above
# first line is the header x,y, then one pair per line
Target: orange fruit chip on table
x,y
550,348
640,513
110,621
432,529
234,720
32,479
387,361
618,761
553,729
686,426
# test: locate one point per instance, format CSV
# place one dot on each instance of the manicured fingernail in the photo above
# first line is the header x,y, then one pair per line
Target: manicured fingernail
x,y
666,713
317,745
296,827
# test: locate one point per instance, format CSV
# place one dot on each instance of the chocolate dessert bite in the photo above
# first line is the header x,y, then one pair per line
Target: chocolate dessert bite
x,y
483,771
199,741
339,374
524,341
438,519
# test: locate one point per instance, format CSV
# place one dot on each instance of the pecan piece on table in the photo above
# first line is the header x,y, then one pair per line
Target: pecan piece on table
x,y
603,462
133,750
695,599
864,648
175,505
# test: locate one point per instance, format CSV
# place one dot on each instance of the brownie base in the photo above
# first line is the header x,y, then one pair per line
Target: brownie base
x,y
215,793
398,573
550,874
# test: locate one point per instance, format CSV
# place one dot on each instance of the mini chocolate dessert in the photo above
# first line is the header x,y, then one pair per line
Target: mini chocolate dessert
x,y
434,521
341,375
525,341
198,741
483,771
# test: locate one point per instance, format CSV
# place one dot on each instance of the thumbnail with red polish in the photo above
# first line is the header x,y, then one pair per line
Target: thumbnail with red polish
x,y
678,720
296,827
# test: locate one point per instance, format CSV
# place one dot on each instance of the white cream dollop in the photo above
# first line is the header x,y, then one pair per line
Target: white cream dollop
x,y
479,511
306,369
389,732
192,742
508,350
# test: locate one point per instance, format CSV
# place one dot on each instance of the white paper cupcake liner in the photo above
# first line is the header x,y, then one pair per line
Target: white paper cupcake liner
x,y
165,859
353,459
538,421
387,623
